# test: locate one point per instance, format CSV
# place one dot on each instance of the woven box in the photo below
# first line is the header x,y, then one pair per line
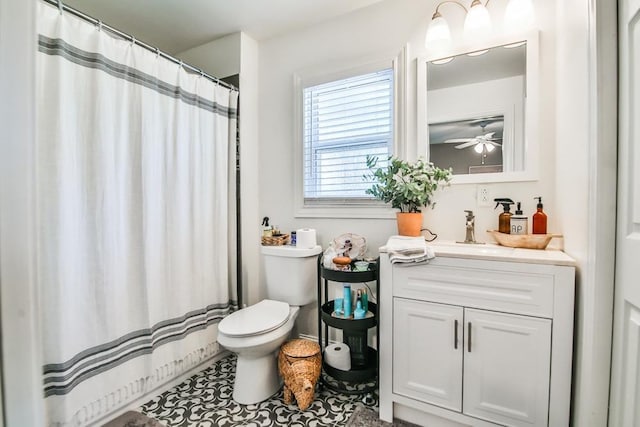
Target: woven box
x,y
299,363
277,240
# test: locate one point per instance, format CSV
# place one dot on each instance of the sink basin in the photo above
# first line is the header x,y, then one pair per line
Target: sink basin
x,y
455,248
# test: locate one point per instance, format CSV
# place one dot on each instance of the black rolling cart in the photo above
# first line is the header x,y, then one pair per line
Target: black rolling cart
x,y
363,376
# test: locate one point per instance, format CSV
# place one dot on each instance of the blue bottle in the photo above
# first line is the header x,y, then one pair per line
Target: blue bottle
x,y
359,313
338,306
346,300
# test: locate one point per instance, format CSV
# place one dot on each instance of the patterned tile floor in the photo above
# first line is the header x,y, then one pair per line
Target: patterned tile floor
x,y
205,400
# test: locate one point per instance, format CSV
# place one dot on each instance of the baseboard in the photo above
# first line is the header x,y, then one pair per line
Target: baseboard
x,y
313,338
134,405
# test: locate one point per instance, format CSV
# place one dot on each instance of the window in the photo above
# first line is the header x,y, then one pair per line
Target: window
x,y
343,122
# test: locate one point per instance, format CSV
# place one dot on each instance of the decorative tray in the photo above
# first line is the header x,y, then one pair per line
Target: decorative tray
x,y
528,241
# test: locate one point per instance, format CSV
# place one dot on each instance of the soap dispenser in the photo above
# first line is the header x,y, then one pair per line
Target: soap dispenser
x,y
504,219
539,219
267,230
519,222
359,312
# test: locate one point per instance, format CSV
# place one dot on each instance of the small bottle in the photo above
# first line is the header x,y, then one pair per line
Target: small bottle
x,y
338,304
267,230
346,300
365,300
539,219
519,223
504,219
293,238
359,312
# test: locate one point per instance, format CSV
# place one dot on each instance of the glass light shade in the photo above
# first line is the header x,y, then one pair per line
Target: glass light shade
x,y
490,147
518,16
478,147
438,34
478,52
442,61
477,24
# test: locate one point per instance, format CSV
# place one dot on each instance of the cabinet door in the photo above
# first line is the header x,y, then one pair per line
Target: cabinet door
x,y
427,360
507,368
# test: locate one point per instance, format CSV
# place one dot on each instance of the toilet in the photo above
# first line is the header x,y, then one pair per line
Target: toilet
x,y
256,333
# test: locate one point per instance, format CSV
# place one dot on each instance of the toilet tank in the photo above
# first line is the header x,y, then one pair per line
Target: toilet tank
x,y
291,273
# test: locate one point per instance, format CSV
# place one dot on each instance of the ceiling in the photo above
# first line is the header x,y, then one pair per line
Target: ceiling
x,y
440,132
177,25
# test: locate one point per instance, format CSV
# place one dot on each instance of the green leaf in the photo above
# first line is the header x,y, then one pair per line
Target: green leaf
x,y
408,186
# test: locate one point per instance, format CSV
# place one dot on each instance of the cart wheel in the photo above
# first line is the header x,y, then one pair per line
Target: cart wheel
x,y
368,399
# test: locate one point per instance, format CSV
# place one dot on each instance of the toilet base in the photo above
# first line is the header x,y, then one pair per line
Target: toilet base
x,y
257,379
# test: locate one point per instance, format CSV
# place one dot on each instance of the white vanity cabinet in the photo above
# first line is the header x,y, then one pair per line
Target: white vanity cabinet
x,y
478,340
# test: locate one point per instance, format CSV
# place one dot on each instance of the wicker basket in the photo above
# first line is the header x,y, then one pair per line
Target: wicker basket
x,y
277,240
299,363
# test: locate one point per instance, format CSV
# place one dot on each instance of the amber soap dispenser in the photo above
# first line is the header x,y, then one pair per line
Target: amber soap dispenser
x,y
504,219
539,219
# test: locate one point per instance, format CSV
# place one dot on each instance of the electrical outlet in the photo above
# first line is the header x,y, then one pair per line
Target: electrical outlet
x,y
483,197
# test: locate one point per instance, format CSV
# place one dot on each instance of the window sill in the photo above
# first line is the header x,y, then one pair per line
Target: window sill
x,y
345,211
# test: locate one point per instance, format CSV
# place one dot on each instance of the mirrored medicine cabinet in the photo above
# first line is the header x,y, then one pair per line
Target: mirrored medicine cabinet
x,y
477,110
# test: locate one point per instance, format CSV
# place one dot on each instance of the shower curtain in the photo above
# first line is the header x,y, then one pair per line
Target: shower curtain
x,y
136,174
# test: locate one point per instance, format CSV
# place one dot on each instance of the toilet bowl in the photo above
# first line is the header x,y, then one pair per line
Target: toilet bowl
x,y
256,333
256,342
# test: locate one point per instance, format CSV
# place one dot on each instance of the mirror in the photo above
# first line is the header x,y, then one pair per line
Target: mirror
x,y
477,111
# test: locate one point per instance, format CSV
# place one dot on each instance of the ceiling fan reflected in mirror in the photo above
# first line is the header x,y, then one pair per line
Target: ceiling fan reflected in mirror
x,y
484,141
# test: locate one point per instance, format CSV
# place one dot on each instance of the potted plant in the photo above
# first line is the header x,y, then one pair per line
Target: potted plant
x,y
408,186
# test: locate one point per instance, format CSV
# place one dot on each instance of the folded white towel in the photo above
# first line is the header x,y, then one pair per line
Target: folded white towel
x,y
405,250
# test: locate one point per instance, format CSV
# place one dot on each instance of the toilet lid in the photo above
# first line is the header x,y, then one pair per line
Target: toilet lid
x,y
259,318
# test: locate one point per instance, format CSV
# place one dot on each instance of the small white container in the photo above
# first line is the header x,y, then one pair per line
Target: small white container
x,y
362,265
519,224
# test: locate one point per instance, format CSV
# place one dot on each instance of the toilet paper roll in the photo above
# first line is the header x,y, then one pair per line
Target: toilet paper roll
x,y
338,356
306,238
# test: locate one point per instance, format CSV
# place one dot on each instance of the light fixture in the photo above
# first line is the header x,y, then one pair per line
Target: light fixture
x,y
438,35
477,24
519,16
482,147
442,61
478,52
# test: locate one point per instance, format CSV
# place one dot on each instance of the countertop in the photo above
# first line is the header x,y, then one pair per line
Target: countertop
x,y
495,252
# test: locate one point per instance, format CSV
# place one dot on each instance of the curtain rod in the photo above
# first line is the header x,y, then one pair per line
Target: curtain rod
x,y
63,7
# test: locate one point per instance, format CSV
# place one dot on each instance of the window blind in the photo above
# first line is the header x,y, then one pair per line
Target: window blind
x,y
344,121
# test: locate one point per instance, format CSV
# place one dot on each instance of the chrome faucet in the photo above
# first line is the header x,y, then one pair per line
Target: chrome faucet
x,y
471,233
470,226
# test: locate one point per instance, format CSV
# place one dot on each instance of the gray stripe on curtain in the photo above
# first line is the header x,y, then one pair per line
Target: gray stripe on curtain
x,y
95,360
97,61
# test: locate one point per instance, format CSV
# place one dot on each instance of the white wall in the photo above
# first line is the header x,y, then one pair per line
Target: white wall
x,y
570,174
385,27
586,180
220,57
567,149
21,349
250,162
